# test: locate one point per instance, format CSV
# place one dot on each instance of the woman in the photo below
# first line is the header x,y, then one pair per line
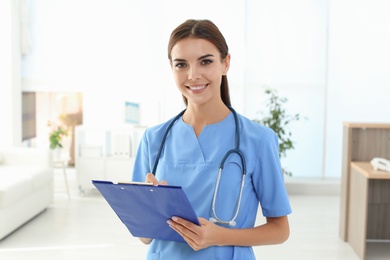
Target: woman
x,y
194,149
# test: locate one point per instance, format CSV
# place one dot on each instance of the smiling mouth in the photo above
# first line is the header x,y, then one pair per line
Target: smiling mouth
x,y
199,87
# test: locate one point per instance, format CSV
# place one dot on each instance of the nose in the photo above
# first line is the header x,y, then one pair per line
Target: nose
x,y
193,73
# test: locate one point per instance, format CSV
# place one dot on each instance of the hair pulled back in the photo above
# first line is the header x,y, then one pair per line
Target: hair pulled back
x,y
202,29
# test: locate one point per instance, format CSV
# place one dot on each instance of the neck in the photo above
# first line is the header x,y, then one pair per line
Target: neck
x,y
200,116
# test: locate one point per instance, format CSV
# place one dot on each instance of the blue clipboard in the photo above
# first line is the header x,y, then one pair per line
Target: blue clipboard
x,y
145,209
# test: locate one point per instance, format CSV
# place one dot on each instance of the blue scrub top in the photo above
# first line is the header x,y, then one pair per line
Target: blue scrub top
x,y
193,163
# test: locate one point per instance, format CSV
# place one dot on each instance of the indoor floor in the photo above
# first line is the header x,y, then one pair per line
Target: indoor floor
x,y
85,227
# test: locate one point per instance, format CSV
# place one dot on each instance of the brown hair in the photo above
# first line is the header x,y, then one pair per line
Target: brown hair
x,y
203,29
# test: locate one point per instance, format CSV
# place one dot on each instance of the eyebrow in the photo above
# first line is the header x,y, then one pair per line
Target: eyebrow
x,y
200,58
205,56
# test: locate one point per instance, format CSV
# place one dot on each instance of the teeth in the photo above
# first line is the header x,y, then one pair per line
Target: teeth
x,y
197,87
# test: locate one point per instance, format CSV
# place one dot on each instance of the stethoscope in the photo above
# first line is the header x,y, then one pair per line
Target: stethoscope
x,y
236,150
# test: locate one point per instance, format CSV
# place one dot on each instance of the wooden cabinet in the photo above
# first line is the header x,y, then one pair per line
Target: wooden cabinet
x,y
364,205
369,206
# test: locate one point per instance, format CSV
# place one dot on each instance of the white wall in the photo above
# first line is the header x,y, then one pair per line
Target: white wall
x,y
10,86
102,48
115,52
5,76
326,57
359,70
286,50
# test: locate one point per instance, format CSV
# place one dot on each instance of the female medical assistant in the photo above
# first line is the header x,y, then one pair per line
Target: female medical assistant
x,y
193,163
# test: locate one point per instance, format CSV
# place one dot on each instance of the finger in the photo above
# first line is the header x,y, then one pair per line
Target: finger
x,y
163,182
185,233
146,241
203,221
150,178
188,224
185,227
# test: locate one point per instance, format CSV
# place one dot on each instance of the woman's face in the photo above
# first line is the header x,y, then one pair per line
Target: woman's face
x,y
197,69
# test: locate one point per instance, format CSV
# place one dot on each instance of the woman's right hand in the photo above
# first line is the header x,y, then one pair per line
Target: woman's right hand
x,y
150,178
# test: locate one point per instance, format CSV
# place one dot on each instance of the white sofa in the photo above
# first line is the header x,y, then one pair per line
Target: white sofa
x,y
26,186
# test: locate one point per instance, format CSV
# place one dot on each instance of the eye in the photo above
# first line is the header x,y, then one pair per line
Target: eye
x,y
206,61
180,65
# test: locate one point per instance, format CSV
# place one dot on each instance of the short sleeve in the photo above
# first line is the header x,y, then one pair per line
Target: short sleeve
x,y
269,180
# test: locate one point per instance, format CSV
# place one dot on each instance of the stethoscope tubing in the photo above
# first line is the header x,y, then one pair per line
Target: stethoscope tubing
x,y
236,150
161,146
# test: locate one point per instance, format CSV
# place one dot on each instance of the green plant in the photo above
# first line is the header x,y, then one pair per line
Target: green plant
x,y
56,136
278,119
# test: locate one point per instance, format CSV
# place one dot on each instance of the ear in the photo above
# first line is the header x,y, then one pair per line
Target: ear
x,y
226,63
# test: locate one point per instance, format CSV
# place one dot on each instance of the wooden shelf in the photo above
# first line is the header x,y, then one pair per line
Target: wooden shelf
x,y
368,171
366,125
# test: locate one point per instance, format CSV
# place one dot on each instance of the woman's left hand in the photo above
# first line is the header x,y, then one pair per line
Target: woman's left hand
x,y
198,237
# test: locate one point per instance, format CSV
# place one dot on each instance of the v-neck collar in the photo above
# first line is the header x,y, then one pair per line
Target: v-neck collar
x,y
205,144
217,124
